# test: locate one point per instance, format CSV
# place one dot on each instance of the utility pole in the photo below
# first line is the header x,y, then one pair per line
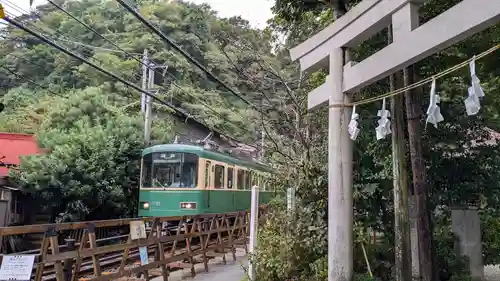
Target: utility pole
x,y
144,79
262,136
149,102
254,225
147,116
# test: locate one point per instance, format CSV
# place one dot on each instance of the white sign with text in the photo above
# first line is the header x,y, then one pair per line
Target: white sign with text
x,y
17,267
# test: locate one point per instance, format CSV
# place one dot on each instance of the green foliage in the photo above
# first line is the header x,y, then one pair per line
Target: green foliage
x,y
490,227
215,42
90,123
450,266
461,159
291,245
91,169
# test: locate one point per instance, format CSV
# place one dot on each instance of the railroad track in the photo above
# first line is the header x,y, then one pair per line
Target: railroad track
x,y
184,242
110,262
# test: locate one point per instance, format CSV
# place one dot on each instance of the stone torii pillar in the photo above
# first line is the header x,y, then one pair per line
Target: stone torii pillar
x,y
411,44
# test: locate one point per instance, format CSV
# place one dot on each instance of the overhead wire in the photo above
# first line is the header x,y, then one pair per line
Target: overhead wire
x,y
30,81
218,130
426,80
59,36
114,76
88,27
138,60
82,44
169,41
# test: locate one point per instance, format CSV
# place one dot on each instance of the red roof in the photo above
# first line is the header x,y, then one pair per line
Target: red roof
x,y
14,145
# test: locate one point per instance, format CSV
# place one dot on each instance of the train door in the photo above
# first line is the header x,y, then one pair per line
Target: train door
x,y
230,184
208,180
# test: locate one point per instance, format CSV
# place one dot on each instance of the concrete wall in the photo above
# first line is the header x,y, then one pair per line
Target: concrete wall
x,y
466,225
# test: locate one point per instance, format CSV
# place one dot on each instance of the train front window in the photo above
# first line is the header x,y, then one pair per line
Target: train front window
x,y
170,170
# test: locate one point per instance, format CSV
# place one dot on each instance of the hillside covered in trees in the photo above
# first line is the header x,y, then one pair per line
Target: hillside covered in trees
x,y
92,124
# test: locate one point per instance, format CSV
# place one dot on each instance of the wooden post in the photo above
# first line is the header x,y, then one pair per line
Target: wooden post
x,y
400,187
93,245
54,248
68,263
424,234
400,178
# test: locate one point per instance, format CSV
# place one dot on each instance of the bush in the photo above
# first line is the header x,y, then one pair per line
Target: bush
x,y
291,246
450,266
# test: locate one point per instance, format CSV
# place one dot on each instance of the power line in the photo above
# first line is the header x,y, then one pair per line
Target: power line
x,y
178,111
138,60
185,54
127,53
87,26
42,31
81,44
58,35
31,81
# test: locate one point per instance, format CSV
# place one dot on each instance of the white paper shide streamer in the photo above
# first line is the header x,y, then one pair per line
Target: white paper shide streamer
x,y
434,115
472,103
384,124
353,125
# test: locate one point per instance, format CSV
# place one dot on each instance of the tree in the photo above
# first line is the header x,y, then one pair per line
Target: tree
x,y
91,170
74,109
455,152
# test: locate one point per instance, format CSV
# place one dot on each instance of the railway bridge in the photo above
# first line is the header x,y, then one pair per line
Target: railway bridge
x,y
129,248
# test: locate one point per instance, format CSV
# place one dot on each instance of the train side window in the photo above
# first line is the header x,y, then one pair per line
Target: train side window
x,y
230,176
241,179
207,174
255,179
262,185
219,177
248,180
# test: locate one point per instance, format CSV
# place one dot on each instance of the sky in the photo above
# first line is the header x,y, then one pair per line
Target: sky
x,y
257,12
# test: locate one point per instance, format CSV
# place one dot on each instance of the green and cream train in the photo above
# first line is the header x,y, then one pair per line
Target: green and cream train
x,y
178,180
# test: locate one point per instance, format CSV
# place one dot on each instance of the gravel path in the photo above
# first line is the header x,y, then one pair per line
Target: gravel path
x,y
232,271
492,273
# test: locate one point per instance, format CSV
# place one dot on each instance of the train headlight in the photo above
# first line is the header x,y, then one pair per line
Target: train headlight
x,y
144,205
188,205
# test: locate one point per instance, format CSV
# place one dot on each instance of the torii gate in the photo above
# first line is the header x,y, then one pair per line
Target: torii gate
x,y
411,43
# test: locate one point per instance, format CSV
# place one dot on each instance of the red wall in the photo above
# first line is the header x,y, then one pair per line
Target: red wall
x,y
14,145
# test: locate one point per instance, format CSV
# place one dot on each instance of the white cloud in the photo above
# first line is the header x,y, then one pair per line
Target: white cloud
x,y
257,12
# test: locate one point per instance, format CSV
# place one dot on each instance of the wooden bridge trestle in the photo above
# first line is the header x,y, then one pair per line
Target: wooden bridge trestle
x,y
196,240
